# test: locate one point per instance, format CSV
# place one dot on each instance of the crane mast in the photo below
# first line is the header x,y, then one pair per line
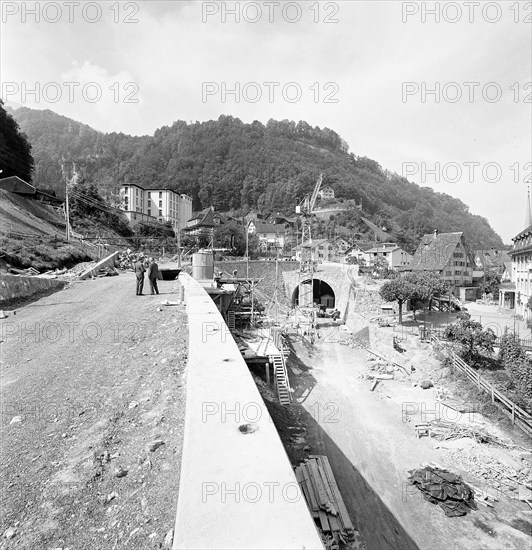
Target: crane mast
x,y
307,262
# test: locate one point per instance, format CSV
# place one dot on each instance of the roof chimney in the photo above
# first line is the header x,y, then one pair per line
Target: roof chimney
x,y
435,233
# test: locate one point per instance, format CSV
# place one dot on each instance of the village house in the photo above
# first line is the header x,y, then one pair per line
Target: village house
x,y
18,186
394,255
326,193
270,235
324,250
449,255
492,260
356,253
144,204
252,215
288,221
204,222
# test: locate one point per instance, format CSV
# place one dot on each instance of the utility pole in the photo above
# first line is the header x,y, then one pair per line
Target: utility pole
x,y
247,251
67,213
178,246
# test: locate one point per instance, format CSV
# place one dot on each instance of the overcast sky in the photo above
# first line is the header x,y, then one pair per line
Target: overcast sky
x,y
360,68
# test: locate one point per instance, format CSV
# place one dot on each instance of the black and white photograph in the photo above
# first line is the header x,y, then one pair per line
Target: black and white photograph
x,y
265,275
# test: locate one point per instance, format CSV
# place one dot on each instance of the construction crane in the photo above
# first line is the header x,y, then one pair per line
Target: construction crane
x,y
307,263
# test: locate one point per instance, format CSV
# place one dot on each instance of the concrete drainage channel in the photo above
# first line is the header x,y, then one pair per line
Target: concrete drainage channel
x,y
237,487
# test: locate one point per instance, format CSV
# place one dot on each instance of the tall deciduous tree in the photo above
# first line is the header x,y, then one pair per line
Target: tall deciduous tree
x,y
473,339
231,236
428,285
398,290
15,150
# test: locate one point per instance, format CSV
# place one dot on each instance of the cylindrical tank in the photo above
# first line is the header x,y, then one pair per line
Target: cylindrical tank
x,y
203,265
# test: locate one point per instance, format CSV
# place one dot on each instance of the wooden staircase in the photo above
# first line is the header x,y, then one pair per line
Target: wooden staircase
x,y
280,373
281,379
231,320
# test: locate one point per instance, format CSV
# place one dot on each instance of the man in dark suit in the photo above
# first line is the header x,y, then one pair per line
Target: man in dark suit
x,y
139,272
153,272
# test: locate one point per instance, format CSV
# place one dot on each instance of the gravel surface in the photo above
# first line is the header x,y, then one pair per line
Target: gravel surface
x,y
93,401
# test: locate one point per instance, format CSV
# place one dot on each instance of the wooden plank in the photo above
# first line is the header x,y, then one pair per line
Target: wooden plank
x,y
324,522
311,489
318,483
304,489
336,497
311,497
339,501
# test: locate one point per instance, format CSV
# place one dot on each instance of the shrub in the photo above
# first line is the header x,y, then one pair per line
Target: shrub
x,y
519,367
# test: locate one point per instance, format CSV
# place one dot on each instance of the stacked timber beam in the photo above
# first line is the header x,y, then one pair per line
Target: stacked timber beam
x,y
324,500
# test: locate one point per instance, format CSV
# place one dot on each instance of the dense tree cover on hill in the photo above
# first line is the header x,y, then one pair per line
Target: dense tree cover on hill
x,y
234,166
15,150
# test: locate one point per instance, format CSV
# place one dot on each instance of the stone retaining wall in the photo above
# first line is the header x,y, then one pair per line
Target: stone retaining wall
x,y
12,287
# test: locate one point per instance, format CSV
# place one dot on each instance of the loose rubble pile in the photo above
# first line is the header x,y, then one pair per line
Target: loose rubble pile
x,y
127,258
513,480
354,342
444,430
445,489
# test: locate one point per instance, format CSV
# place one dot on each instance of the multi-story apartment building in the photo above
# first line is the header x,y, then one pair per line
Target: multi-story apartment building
x,y
521,275
155,204
393,254
447,254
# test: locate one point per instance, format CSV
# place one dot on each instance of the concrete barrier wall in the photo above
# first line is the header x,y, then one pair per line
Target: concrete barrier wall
x,y
12,287
237,490
109,261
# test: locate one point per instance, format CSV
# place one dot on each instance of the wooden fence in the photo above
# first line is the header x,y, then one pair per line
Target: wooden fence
x,y
519,417
526,344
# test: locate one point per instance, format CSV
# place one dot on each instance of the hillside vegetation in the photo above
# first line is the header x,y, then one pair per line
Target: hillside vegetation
x,y
234,166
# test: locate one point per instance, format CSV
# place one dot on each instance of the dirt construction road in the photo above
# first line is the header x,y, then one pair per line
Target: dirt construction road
x,y
91,377
371,451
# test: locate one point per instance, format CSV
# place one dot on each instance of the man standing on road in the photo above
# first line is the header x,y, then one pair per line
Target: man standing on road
x,y
153,271
139,272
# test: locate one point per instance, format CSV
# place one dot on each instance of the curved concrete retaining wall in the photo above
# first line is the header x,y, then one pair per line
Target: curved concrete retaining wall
x,y
237,490
12,286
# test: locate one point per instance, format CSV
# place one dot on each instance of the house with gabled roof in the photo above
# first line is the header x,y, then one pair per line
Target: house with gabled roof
x,y
204,222
447,254
356,252
491,259
270,235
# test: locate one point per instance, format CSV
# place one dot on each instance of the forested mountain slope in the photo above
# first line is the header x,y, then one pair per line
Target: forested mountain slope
x,y
233,166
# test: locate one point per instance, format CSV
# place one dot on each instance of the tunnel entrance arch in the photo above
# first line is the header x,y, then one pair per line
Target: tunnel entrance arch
x,y
322,294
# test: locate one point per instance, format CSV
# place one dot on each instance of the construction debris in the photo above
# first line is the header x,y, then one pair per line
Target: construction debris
x,y
28,272
445,489
444,430
324,500
388,361
107,272
503,475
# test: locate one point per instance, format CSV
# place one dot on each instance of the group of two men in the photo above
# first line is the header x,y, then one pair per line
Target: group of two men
x,y
153,271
